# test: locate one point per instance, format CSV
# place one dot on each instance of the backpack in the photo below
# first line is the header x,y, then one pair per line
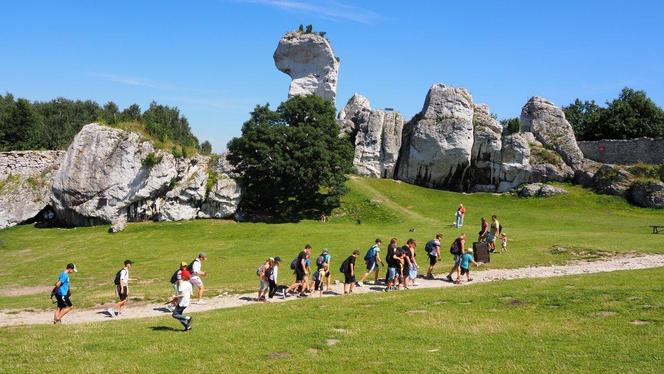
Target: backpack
x,y
371,254
293,263
500,228
430,246
190,267
320,260
116,281
174,277
455,248
344,266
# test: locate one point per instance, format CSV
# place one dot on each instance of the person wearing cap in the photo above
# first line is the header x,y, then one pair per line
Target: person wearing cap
x,y
372,258
183,300
63,293
272,275
197,273
466,260
121,289
323,267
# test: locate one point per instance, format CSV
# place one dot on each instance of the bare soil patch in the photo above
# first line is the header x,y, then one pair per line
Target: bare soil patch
x,y
25,291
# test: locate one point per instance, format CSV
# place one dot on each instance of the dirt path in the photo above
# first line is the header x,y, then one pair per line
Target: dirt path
x,y
8,318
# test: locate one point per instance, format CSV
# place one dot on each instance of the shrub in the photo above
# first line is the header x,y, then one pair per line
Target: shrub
x,y
151,160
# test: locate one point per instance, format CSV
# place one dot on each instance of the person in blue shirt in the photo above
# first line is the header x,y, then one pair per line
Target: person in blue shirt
x,y
62,294
466,260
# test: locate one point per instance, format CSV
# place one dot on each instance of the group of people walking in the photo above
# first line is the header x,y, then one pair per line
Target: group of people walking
x,y
401,263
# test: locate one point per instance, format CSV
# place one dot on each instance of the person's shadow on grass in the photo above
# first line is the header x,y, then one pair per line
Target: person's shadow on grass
x,y
163,328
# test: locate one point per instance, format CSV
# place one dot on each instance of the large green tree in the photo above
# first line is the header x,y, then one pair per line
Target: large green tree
x,y
291,161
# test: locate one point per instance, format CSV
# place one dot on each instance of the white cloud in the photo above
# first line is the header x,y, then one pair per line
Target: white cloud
x,y
129,81
332,10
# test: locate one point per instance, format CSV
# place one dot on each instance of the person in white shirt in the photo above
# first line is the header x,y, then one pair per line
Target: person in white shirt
x,y
184,299
197,273
121,289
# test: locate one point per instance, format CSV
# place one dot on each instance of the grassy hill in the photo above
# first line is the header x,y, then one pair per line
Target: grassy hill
x,y
542,231
610,322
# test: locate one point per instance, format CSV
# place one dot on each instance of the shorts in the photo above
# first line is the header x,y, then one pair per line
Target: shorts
x,y
299,276
457,260
263,285
489,237
413,273
122,293
63,301
433,260
391,273
372,265
318,285
196,281
349,279
321,271
464,271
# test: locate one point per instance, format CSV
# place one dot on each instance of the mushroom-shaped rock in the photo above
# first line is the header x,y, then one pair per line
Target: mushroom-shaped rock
x,y
309,60
437,142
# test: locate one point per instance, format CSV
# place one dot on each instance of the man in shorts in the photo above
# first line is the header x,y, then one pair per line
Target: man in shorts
x,y
62,293
433,251
372,258
393,264
457,249
300,272
197,273
184,299
121,289
494,233
349,272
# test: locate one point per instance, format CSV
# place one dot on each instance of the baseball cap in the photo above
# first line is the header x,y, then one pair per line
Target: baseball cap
x,y
183,264
202,254
71,265
277,259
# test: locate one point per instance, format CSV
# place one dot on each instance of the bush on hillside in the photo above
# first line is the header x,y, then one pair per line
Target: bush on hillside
x,y
632,115
291,161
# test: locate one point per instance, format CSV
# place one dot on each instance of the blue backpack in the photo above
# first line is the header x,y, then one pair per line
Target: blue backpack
x,y
371,253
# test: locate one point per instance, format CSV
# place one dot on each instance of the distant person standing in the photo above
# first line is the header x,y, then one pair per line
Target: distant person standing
x,y
322,266
121,288
494,233
411,244
184,299
393,264
63,293
348,269
433,251
460,214
195,269
457,250
484,229
372,258
503,241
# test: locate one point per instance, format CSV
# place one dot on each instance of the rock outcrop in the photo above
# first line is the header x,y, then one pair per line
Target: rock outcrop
x,y
437,142
515,166
376,135
648,194
548,124
26,179
113,176
540,190
612,180
309,60
486,152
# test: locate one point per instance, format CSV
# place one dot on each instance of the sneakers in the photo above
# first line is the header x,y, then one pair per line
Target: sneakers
x,y
283,294
429,276
449,278
188,327
111,312
358,284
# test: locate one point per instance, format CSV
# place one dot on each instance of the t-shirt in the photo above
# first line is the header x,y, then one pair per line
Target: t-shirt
x,y
462,210
274,273
436,245
485,226
351,261
300,257
185,291
195,267
466,259
64,283
391,262
124,277
495,227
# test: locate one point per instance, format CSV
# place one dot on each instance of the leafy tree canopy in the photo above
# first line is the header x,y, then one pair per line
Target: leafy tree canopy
x,y
291,161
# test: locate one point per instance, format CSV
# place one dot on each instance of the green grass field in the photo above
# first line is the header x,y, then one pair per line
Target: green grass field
x,y
610,322
582,222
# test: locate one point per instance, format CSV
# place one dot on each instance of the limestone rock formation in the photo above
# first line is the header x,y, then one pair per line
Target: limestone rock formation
x,y
647,194
540,190
548,124
376,134
547,165
437,142
113,176
612,180
486,151
309,60
515,166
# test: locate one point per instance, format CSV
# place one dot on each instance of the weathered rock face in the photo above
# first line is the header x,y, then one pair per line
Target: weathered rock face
x,y
25,184
487,145
437,143
112,176
546,164
515,168
377,137
647,194
548,124
540,190
612,180
310,62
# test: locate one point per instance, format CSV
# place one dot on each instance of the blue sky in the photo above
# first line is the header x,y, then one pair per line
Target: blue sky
x,y
213,59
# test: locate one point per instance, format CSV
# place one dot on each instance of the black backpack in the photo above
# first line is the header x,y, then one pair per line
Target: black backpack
x,y
455,248
190,267
116,281
174,277
430,246
344,266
